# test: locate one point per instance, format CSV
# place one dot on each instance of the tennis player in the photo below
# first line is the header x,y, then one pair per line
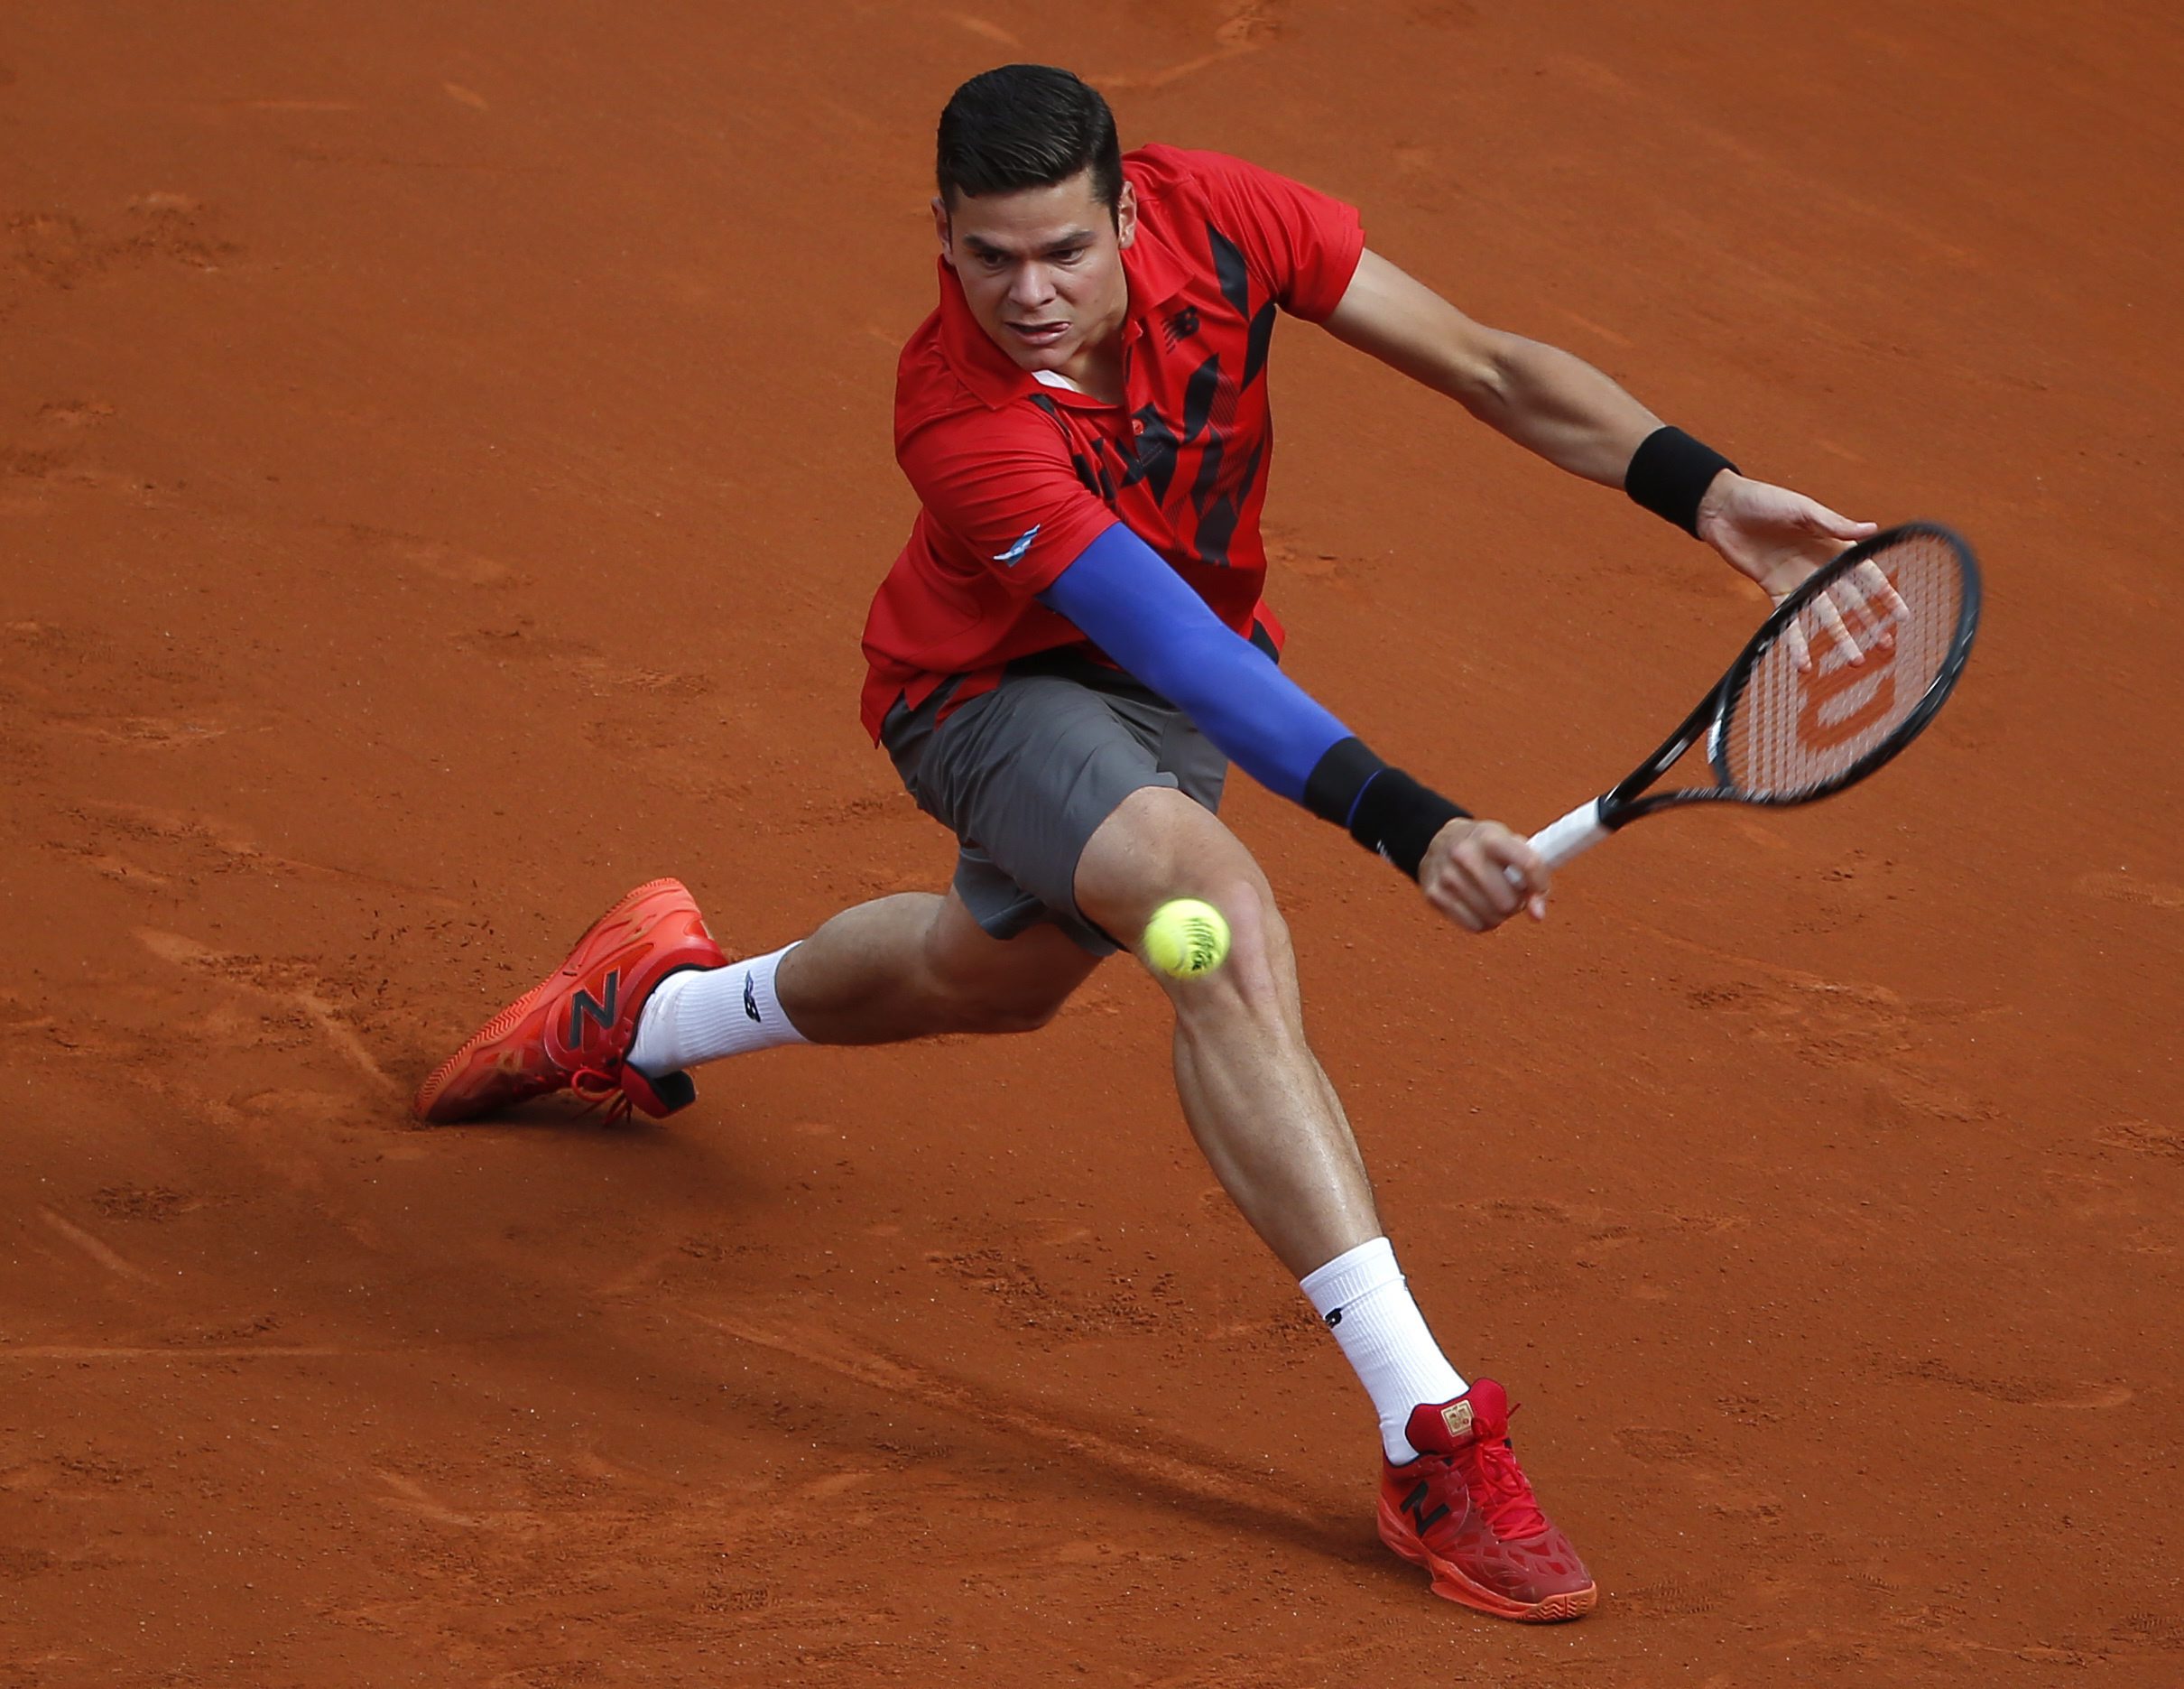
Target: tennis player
x,y
1063,662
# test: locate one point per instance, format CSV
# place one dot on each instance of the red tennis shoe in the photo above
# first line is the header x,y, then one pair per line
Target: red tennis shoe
x,y
1465,1511
573,1030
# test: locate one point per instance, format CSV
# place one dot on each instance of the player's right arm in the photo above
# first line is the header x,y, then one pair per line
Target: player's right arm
x,y
999,484
1123,597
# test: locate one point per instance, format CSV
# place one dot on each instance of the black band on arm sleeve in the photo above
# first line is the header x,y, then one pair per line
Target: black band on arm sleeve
x,y
1385,809
1670,473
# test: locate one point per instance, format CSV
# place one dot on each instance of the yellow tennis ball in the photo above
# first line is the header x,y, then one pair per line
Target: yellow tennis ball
x,y
1186,938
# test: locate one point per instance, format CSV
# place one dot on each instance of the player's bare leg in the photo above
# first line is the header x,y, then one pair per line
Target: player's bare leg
x,y
1262,1110
1452,1497
646,993
915,965
911,965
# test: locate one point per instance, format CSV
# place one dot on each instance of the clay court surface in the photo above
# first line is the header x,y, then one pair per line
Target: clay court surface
x,y
444,460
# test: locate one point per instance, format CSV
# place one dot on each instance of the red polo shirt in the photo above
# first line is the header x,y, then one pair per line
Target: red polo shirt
x,y
1015,478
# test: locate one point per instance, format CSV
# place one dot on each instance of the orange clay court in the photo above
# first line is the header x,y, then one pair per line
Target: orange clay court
x,y
444,463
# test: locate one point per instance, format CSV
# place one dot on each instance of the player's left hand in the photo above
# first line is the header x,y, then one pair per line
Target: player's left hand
x,y
1771,534
1778,538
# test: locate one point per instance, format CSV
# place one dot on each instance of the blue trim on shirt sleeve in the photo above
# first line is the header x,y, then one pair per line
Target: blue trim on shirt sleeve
x,y
1130,603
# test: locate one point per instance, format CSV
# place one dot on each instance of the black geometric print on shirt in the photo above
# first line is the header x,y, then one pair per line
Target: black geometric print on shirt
x,y
1093,476
1235,277
1152,456
1230,270
1210,414
1201,393
1218,514
1152,461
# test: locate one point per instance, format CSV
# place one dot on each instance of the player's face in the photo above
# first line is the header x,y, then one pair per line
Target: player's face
x,y
1042,270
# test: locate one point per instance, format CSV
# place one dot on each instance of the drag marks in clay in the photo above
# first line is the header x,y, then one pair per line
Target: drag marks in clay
x,y
148,847
515,641
86,1475
54,250
57,451
1245,26
93,1248
412,1497
414,554
2146,1138
1020,1297
1702,1476
1672,1595
155,1203
294,984
2019,1392
1589,1235
2135,889
1188,1475
1849,1026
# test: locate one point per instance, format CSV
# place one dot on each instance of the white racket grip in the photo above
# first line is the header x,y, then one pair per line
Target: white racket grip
x,y
1577,831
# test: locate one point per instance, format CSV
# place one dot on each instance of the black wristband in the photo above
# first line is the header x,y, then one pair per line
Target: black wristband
x,y
1670,473
1398,817
1383,808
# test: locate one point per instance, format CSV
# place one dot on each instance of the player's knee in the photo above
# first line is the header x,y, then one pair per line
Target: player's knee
x,y
1259,977
1160,844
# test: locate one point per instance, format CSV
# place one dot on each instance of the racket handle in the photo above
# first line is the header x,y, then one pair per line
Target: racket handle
x,y
1557,842
1577,831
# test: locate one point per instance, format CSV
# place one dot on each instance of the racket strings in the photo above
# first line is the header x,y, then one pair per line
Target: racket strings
x,y
1793,729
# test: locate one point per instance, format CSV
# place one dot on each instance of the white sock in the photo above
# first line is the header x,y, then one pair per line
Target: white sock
x,y
703,1014
1362,1297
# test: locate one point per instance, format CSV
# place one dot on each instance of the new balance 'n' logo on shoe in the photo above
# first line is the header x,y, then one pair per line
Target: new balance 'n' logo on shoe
x,y
573,1030
601,1013
1465,1511
1415,1504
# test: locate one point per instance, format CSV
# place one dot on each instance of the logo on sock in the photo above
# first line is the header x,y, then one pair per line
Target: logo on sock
x,y
1334,1317
750,999
1457,1416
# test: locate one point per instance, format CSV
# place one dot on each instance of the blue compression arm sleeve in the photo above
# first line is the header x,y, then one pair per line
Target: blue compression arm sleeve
x,y
1139,611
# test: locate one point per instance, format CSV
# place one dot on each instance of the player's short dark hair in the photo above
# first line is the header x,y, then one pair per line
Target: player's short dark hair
x,y
1027,125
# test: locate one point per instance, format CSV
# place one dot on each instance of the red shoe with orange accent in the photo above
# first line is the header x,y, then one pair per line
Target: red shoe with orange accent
x,y
573,1030
1465,1511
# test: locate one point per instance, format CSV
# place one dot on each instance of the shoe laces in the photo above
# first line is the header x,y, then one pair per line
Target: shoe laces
x,y
602,1093
1500,1491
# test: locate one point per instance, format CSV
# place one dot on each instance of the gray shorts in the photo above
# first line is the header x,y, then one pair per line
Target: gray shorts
x,y
1025,775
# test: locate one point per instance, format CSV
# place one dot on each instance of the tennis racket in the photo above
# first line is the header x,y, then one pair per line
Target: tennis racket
x,y
1849,670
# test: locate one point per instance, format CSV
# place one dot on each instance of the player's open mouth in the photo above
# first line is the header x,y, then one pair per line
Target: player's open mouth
x,y
1038,333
